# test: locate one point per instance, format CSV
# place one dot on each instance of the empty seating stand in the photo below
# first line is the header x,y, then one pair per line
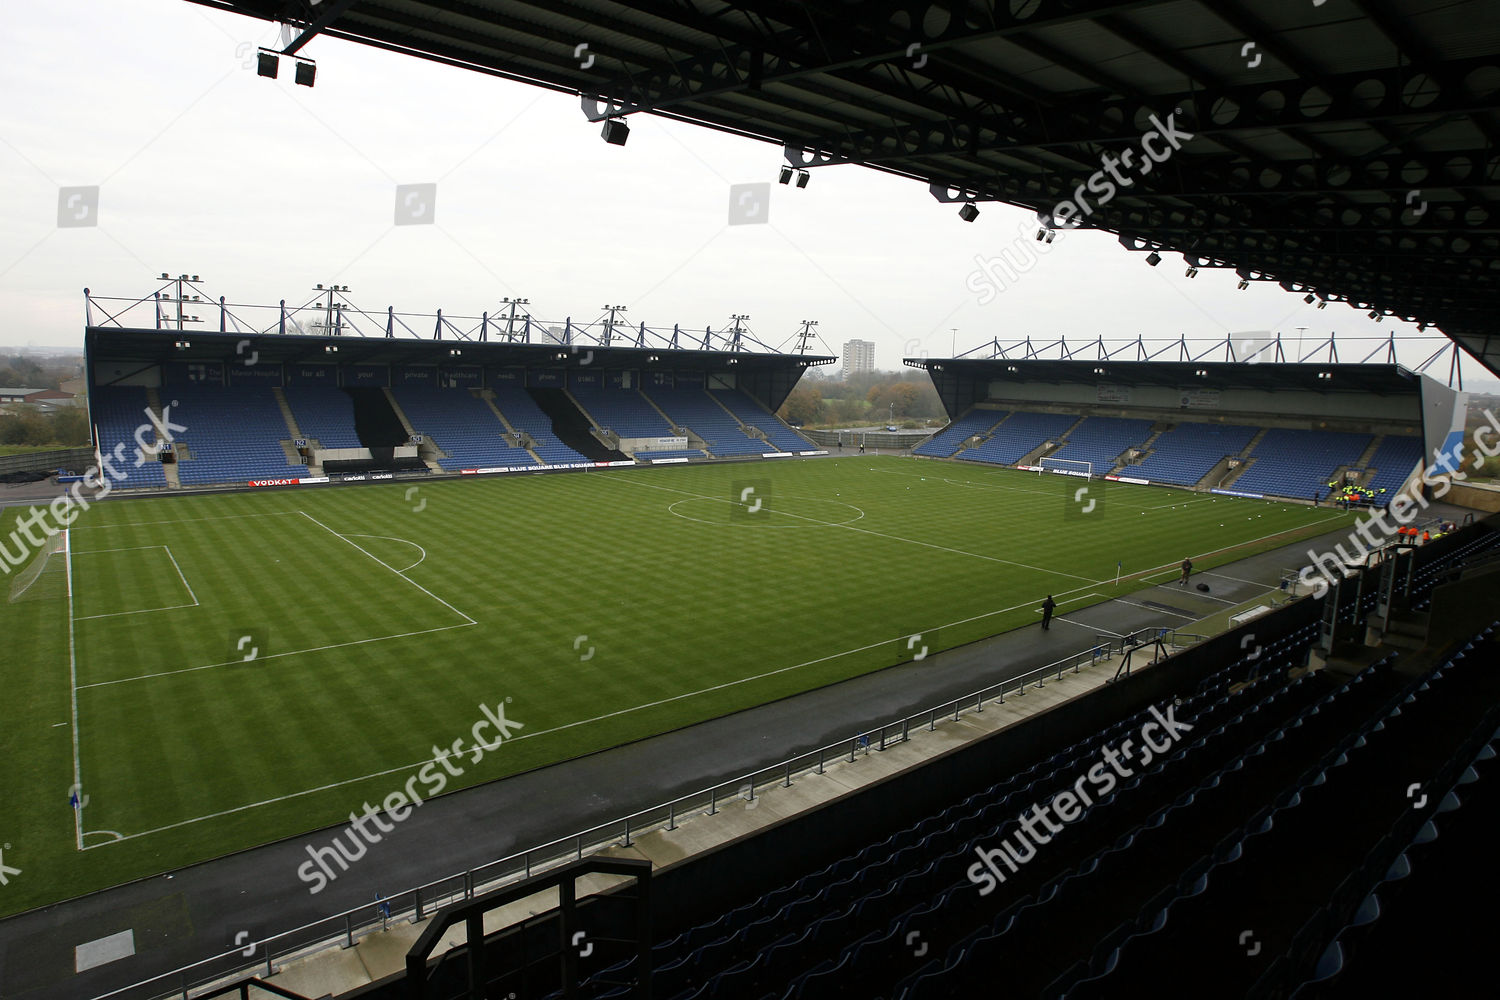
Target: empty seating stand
x,y
234,433
325,415
524,415
625,411
1021,433
1393,462
1189,451
750,412
948,440
1294,463
461,424
1101,440
118,411
692,407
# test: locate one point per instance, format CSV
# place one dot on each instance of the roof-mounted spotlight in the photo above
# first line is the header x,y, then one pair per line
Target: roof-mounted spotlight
x,y
615,131
1045,235
1421,327
1243,284
802,178
969,212
267,63
1098,371
1308,298
1011,368
1374,313
1322,303
1191,272
182,345
785,177
1201,373
307,71
454,352
165,276
1325,375
1153,258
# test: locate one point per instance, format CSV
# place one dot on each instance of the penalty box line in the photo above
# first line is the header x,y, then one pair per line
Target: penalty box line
x,y
193,598
562,728
867,531
467,621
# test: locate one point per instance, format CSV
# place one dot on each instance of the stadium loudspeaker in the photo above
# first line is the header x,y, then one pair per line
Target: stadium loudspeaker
x,y
1153,258
615,132
266,64
306,73
969,212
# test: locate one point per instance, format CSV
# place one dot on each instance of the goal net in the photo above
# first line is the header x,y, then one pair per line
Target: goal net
x,y
1066,467
43,577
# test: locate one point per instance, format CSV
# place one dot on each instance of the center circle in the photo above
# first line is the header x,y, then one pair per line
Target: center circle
x,y
780,512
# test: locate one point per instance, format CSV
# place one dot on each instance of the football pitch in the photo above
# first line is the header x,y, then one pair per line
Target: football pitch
x,y
199,675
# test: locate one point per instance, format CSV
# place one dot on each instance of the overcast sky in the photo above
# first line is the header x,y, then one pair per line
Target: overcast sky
x,y
264,189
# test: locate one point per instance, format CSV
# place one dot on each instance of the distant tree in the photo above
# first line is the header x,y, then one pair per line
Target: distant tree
x,y
803,406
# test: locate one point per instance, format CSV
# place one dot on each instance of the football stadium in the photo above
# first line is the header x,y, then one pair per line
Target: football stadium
x,y
372,653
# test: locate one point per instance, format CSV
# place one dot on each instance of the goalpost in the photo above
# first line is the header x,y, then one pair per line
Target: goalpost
x,y
39,564
1065,466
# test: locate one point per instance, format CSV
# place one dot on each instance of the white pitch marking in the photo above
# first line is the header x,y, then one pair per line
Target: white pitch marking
x,y
270,656
423,589
185,520
878,534
391,539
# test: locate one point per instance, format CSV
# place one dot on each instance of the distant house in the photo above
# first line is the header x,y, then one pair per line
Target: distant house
x,y
48,399
45,399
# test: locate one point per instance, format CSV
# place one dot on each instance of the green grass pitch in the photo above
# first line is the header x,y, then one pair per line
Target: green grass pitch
x,y
606,607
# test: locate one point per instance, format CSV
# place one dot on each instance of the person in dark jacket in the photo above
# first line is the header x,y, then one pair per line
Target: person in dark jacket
x,y
1047,608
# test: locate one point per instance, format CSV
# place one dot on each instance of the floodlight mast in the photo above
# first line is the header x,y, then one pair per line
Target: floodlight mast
x,y
805,335
734,343
609,323
178,297
510,323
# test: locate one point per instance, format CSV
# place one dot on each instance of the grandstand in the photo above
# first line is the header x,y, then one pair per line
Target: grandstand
x,y
756,416
233,434
325,416
1393,462
1018,435
698,411
117,412
1188,452
944,443
1294,463
1102,440
1255,430
462,425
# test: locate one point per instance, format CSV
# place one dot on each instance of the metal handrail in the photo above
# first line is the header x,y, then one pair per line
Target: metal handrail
x,y
415,903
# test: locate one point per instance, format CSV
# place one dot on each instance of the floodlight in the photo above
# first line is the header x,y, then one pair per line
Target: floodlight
x,y
615,132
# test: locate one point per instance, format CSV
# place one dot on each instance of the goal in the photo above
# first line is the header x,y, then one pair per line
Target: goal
x,y
42,566
1065,467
